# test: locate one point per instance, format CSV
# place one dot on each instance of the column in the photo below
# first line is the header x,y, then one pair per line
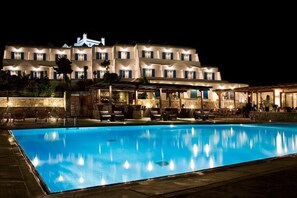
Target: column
x,y
234,100
202,107
220,98
160,98
136,97
257,98
99,95
180,101
281,100
110,98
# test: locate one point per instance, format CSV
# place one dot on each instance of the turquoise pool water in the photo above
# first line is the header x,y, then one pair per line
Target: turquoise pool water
x,y
74,158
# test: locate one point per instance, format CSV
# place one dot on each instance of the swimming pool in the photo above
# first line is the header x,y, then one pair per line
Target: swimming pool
x,y
74,158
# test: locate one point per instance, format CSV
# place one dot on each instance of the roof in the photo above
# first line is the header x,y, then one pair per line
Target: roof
x,y
150,87
266,88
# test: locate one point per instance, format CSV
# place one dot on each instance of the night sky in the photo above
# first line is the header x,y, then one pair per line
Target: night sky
x,y
254,44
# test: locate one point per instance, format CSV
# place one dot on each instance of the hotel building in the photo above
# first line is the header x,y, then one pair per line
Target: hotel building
x,y
158,63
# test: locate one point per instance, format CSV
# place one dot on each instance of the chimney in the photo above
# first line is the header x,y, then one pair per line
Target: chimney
x,y
84,36
103,41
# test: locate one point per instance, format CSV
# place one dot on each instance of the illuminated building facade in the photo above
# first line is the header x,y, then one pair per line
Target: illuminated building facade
x,y
158,63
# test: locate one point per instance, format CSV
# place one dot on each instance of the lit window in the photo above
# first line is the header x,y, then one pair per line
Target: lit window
x,y
147,54
148,72
170,73
126,73
100,73
81,57
209,76
17,55
14,72
167,55
190,74
40,56
186,57
101,56
38,74
123,55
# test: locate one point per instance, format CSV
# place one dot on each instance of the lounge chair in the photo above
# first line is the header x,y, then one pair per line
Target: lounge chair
x,y
105,115
170,114
118,115
203,115
42,114
200,115
155,115
19,115
60,113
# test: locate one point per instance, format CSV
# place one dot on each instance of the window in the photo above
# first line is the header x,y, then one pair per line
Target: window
x,y
193,93
38,74
123,55
205,94
126,73
167,55
148,72
101,56
147,54
55,75
17,55
14,72
78,75
232,95
190,74
209,76
43,74
81,57
170,73
40,56
58,56
100,73
58,76
186,57
33,74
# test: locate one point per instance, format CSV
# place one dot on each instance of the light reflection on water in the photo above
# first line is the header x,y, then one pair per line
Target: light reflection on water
x,y
73,158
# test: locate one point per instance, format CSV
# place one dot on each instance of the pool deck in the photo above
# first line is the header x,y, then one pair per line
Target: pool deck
x,y
275,177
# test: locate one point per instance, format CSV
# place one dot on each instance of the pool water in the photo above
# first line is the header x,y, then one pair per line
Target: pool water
x,y
75,158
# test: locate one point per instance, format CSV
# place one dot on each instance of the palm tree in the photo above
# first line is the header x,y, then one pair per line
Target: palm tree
x,y
85,72
106,64
64,67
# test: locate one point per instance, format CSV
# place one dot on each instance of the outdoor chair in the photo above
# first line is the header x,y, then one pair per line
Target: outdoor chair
x,y
105,115
155,115
41,114
170,114
200,115
59,113
203,115
118,115
19,115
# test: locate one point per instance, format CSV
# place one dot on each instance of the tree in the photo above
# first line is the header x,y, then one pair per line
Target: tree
x,y
111,77
85,72
64,67
106,64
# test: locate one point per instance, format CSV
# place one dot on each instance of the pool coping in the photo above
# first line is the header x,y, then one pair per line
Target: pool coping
x,y
169,186
188,183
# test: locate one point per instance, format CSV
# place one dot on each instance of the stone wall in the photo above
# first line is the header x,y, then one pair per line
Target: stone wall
x,y
31,102
273,116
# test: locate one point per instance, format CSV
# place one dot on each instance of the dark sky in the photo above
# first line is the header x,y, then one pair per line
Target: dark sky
x,y
252,43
